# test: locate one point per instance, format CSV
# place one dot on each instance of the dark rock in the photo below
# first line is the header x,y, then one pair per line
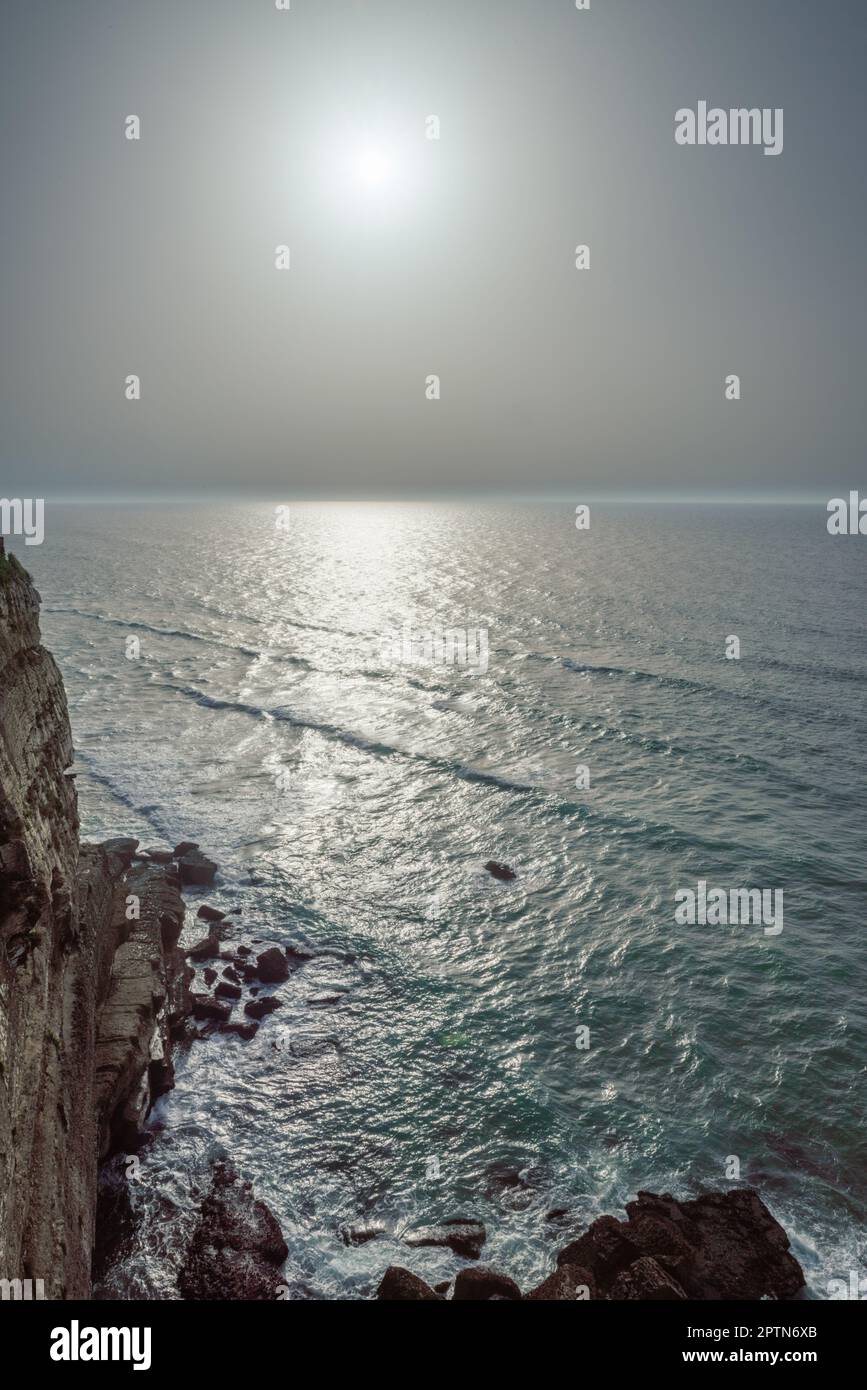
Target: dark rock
x,y
724,1245
244,951
272,967
566,1285
645,1281
115,1221
185,847
313,1047
171,925
210,914
360,1235
501,871
205,1006
260,1008
662,1241
322,1001
297,954
123,846
556,1214
400,1285
605,1250
185,1031
159,856
195,868
206,949
443,1286
237,1247
478,1284
462,1235
226,990
247,1031
503,1175
738,1250
230,973
209,976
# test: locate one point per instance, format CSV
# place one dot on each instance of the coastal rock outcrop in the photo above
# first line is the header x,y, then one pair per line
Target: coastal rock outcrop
x,y
145,998
237,1247
723,1245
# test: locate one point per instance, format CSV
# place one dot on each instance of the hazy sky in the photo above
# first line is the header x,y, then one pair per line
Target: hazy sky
x,y
412,257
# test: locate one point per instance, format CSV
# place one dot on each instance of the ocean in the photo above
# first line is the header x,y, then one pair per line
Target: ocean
x,y
462,1045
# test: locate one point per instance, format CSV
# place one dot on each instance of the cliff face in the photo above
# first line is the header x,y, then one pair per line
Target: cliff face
x,y
90,982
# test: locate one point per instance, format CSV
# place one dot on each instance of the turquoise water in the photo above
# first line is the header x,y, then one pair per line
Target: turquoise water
x,y
352,803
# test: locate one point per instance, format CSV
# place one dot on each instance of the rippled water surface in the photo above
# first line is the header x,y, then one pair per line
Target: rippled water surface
x,y
352,804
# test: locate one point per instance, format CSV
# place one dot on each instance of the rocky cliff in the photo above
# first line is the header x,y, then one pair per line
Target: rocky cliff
x,y
90,980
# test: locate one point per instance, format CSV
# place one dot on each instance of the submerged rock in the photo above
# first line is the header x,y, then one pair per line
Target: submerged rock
x,y
500,871
260,1008
297,954
360,1235
246,1031
462,1235
237,1247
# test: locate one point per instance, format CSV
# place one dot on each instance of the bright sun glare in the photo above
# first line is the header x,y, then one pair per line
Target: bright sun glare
x,y
374,167
373,171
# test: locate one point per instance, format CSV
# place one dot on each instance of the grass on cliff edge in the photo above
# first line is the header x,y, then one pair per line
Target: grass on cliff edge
x,y
10,568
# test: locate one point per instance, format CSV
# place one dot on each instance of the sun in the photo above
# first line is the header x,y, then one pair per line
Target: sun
x,y
374,166
372,172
